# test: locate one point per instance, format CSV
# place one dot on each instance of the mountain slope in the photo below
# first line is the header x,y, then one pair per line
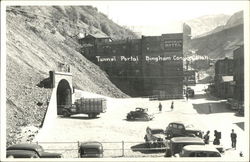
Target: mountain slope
x,y
221,42
35,45
206,23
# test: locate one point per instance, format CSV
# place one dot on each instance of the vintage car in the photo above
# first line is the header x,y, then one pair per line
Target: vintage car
x,y
198,151
190,92
180,129
139,114
176,144
155,137
91,149
28,150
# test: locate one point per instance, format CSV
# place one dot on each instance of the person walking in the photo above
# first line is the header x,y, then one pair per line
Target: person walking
x,y
206,137
187,95
210,108
172,106
160,107
233,139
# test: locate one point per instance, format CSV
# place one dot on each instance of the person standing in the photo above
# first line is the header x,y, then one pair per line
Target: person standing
x,y
160,107
210,108
172,106
233,139
187,95
217,137
206,137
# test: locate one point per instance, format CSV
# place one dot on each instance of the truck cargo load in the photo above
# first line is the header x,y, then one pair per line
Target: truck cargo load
x,y
90,106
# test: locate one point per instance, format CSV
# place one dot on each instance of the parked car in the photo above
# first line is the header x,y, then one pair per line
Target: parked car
x,y
232,104
190,92
176,144
91,149
198,151
155,137
28,150
139,114
240,111
180,129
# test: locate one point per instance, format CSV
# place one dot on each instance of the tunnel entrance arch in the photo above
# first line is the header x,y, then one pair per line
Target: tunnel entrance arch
x,y
63,95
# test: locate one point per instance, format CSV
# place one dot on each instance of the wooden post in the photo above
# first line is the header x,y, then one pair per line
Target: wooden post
x,y
122,148
78,147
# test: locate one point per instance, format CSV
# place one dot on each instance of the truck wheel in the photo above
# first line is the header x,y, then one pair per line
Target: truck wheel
x,y
92,115
66,114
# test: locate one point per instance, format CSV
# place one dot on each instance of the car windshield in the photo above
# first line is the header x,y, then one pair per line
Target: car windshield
x,y
91,151
157,131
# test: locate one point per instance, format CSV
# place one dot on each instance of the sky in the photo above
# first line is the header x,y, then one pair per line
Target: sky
x,y
154,17
163,16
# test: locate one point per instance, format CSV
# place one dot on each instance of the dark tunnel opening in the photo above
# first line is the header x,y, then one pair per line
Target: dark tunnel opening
x,y
64,95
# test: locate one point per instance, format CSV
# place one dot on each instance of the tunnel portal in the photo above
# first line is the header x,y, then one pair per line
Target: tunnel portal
x,y
64,95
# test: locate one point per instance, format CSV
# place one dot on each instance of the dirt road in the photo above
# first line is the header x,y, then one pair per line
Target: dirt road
x,y
111,128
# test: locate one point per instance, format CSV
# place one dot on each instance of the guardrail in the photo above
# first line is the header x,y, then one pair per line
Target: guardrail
x,y
111,149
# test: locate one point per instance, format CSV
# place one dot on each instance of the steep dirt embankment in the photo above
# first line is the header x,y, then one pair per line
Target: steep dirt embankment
x,y
34,47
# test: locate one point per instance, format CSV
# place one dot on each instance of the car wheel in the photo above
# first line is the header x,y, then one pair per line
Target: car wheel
x,y
10,157
65,114
146,138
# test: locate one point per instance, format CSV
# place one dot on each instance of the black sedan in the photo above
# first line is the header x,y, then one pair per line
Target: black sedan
x,y
28,150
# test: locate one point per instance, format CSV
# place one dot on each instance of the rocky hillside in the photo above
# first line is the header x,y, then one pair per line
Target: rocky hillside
x,y
38,39
221,42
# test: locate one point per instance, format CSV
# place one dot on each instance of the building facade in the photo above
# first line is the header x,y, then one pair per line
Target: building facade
x,y
238,64
150,66
223,78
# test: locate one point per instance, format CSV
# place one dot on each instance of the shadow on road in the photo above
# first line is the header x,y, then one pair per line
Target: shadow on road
x,y
136,120
143,148
79,117
204,108
241,125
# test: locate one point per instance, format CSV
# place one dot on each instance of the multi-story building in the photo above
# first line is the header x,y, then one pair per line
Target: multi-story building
x,y
223,78
238,64
150,66
162,67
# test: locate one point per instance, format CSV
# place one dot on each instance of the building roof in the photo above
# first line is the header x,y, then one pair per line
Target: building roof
x,y
227,78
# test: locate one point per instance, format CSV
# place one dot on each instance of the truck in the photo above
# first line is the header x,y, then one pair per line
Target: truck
x,y
90,106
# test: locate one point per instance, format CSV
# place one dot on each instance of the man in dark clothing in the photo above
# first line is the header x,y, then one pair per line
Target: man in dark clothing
x,y
160,107
187,95
233,139
206,137
217,137
172,105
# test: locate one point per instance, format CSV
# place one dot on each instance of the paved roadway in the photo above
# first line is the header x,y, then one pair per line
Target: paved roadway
x,y
112,127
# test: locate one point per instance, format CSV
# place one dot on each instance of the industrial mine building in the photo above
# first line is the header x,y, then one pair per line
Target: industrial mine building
x,y
148,67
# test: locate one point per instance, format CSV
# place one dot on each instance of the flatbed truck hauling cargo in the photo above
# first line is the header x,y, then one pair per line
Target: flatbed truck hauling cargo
x,y
90,106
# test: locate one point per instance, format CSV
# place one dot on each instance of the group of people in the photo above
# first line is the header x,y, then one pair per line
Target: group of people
x,y
160,106
217,137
